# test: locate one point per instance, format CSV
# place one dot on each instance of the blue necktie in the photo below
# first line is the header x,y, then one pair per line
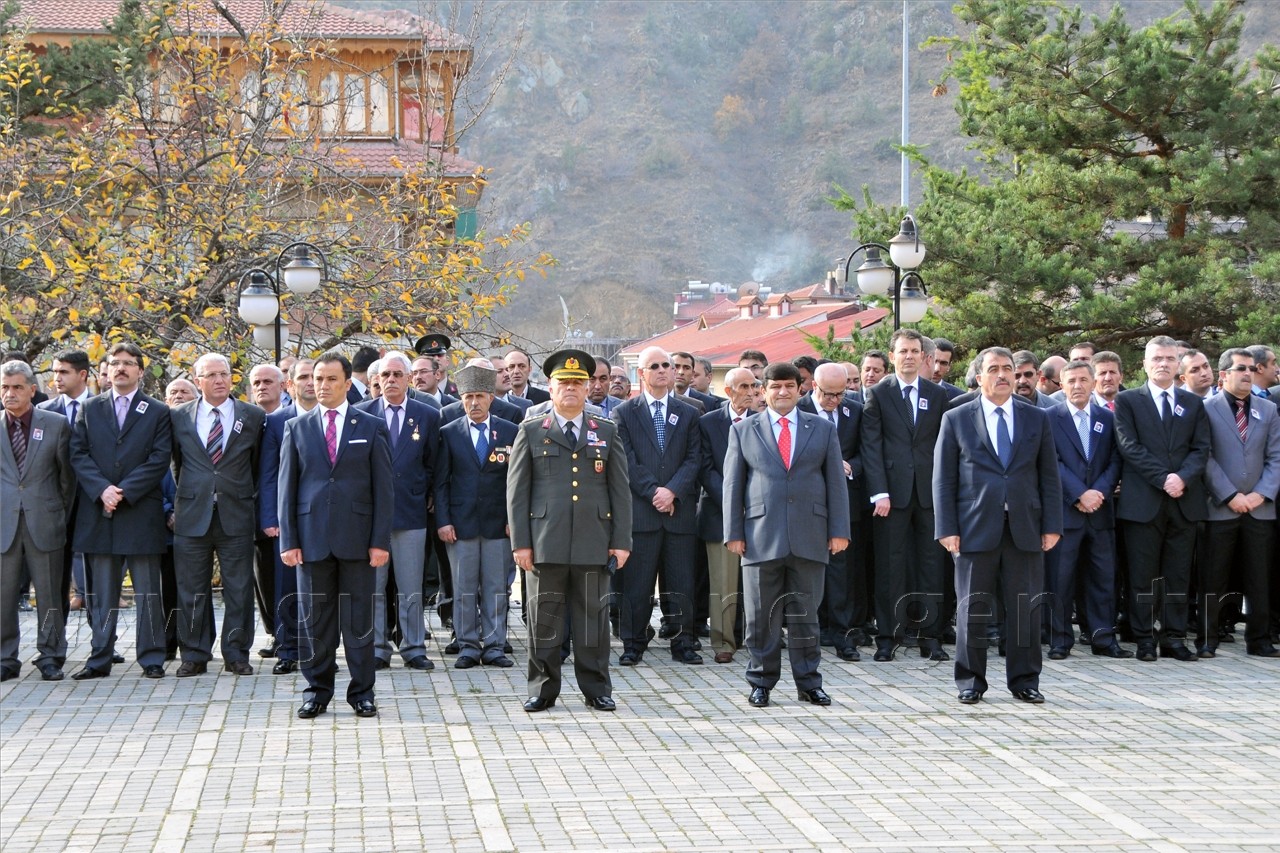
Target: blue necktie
x,y
659,425
1082,429
1004,445
482,443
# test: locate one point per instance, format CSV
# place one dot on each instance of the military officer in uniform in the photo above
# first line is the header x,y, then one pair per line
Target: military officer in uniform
x,y
569,507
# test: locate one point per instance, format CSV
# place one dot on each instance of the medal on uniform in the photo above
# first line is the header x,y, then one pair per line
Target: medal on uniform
x,y
599,466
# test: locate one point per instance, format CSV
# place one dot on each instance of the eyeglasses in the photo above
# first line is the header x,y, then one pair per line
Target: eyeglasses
x,y
1026,374
118,363
1243,368
222,374
831,395
388,374
659,365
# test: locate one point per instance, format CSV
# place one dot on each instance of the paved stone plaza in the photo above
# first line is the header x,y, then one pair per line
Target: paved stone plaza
x,y
1125,755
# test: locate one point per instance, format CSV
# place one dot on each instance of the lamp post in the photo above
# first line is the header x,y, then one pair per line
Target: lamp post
x,y
260,304
898,278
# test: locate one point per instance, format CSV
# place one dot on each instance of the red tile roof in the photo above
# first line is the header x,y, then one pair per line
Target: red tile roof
x,y
303,18
379,158
777,337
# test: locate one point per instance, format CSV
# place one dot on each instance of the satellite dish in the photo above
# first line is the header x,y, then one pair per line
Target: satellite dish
x,y
751,288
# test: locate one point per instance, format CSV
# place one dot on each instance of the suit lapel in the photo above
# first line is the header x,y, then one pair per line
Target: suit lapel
x,y
800,441
6,448
133,415
980,424
763,425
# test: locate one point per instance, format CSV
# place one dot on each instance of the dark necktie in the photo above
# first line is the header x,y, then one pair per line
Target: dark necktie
x,y
1004,445
214,444
831,416
1082,428
1166,412
659,425
906,398
482,442
18,440
395,426
571,435
71,412
331,436
1242,419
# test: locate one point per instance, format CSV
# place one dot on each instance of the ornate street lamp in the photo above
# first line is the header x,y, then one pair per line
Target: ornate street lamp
x,y
260,303
897,279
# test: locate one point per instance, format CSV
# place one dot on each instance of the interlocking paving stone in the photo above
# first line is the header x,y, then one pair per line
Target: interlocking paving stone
x,y
1124,756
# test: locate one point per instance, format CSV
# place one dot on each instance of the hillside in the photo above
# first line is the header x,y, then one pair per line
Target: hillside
x,y
654,142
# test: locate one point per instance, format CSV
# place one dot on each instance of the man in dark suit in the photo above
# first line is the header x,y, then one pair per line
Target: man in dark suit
x,y
500,408
998,504
845,579
120,450
36,487
336,502
1089,468
569,508
413,430
786,510
900,423
215,468
1242,478
471,503
284,604
1164,444
71,380
598,389
663,446
723,566
519,368
700,387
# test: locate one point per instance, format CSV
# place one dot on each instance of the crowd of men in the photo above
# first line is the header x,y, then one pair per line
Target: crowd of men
x,y
855,505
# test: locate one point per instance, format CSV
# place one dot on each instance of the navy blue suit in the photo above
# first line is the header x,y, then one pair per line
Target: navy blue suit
x,y
1088,539
336,513
412,460
499,408
660,539
1000,514
282,608
469,496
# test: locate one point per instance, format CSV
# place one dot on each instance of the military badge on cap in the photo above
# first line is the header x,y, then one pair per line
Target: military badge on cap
x,y
434,344
569,364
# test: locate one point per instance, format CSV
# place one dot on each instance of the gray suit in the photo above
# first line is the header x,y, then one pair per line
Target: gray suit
x,y
786,516
1238,540
214,513
34,503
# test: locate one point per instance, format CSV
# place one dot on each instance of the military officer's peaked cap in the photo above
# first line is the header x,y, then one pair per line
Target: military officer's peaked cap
x,y
569,364
435,344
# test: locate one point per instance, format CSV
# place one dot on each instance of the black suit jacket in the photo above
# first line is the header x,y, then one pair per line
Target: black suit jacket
x,y
412,460
535,395
1150,454
709,401
849,431
897,456
675,466
499,408
714,433
472,495
1101,471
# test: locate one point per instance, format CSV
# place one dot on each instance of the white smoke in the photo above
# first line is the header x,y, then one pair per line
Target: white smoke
x,y
787,255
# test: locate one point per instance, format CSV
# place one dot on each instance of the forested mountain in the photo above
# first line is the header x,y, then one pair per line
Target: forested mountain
x,y
651,142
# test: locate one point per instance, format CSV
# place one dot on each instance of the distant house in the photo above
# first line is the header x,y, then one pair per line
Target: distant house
x,y
776,325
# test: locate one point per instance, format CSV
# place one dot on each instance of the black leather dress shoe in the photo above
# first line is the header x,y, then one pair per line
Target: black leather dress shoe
x,y
117,658
1146,652
453,648
970,697
936,654
188,668
365,708
507,650
239,667
311,709
153,671
602,703
50,672
1206,652
465,662
8,674
268,652
850,653
883,654
686,656
379,664
501,661
1030,695
536,703
421,663
1115,650
87,673
1178,652
1059,653
629,659
759,697
284,667
816,696
1265,652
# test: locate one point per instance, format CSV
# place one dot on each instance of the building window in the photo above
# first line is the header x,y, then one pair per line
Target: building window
x,y
379,97
330,103
354,108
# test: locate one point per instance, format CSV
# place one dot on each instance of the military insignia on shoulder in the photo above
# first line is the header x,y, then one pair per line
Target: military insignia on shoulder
x,y
546,423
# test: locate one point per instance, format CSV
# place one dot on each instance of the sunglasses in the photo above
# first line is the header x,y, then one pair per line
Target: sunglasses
x,y
659,365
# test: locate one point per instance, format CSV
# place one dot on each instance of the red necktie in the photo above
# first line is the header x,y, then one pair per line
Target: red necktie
x,y
784,443
1242,421
1111,404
